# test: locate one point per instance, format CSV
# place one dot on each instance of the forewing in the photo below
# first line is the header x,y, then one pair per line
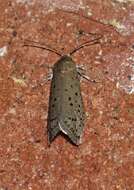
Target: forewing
x,y
54,108
72,115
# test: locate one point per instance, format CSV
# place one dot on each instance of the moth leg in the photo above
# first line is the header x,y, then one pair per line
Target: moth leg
x,y
50,72
81,73
80,67
43,81
49,77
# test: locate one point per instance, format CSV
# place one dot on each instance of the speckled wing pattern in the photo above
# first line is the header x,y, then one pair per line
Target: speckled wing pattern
x,y
66,112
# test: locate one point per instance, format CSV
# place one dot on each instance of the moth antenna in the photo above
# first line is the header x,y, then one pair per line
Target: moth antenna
x,y
41,46
87,43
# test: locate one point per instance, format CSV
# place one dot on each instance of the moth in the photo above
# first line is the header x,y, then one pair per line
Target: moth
x,y
66,110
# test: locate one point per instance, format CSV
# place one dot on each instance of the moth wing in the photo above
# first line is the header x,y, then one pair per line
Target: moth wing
x,y
72,116
54,109
53,130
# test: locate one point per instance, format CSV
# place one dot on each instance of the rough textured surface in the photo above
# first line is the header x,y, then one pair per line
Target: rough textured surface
x,y
105,160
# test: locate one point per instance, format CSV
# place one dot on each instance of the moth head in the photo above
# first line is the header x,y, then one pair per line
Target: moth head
x,y
65,63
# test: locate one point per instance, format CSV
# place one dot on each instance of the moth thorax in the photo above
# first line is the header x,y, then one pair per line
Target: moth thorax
x,y
66,62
